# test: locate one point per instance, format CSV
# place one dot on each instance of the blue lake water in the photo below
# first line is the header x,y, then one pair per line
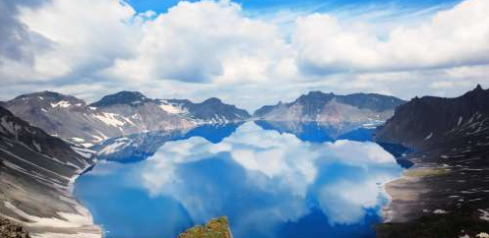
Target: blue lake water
x,y
272,180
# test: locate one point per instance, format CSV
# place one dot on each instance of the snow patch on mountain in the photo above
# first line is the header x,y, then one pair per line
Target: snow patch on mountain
x,y
62,104
110,119
116,146
172,108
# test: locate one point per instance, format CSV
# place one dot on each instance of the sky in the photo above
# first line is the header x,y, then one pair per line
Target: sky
x,y
248,53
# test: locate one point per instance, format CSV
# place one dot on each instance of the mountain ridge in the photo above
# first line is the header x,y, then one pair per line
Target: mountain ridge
x,y
428,120
332,109
115,115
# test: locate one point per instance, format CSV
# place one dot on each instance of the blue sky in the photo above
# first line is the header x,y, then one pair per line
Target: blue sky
x,y
327,5
247,53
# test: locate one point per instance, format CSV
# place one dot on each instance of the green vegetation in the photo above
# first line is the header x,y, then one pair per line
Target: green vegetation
x,y
216,228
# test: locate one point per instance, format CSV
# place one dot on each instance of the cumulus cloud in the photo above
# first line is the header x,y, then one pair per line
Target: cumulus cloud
x,y
206,41
454,37
16,37
216,48
87,36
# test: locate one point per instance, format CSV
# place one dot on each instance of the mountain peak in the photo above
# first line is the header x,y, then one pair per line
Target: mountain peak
x,y
212,100
478,88
315,96
53,96
478,91
48,98
132,98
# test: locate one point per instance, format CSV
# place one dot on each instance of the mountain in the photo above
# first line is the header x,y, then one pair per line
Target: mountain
x,y
37,172
66,117
123,97
116,115
429,121
446,186
210,110
331,109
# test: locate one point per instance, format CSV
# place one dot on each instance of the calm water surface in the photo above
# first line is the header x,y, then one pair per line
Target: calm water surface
x,y
273,180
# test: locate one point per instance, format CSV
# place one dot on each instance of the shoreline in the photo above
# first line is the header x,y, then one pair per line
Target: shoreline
x,y
76,223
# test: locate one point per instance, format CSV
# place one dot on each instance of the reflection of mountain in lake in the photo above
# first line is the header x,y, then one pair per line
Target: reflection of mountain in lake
x,y
138,147
269,185
317,132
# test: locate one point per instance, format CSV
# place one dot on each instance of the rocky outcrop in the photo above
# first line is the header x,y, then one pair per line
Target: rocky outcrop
x,y
331,109
37,172
10,230
215,228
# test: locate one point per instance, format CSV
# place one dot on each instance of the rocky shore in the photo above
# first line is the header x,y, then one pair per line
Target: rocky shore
x,y
446,192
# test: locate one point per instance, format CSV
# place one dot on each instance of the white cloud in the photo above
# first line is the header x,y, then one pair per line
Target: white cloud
x,y
208,48
202,42
86,36
454,37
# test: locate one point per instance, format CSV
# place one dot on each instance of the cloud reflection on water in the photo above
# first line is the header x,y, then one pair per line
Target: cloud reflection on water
x,y
287,176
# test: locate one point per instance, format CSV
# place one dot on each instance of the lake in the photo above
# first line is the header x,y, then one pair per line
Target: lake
x,y
272,180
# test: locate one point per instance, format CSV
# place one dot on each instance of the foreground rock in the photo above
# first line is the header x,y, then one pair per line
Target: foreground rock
x,y
37,172
445,194
10,230
216,228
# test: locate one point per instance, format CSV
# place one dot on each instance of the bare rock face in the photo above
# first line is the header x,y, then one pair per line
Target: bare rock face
x,y
10,230
331,109
216,228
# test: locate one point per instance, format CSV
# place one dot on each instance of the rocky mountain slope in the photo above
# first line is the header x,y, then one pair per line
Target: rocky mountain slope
x,y
445,193
36,176
331,109
116,115
430,121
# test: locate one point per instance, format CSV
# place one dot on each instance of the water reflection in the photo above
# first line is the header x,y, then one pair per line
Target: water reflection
x,y
316,132
270,184
138,147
